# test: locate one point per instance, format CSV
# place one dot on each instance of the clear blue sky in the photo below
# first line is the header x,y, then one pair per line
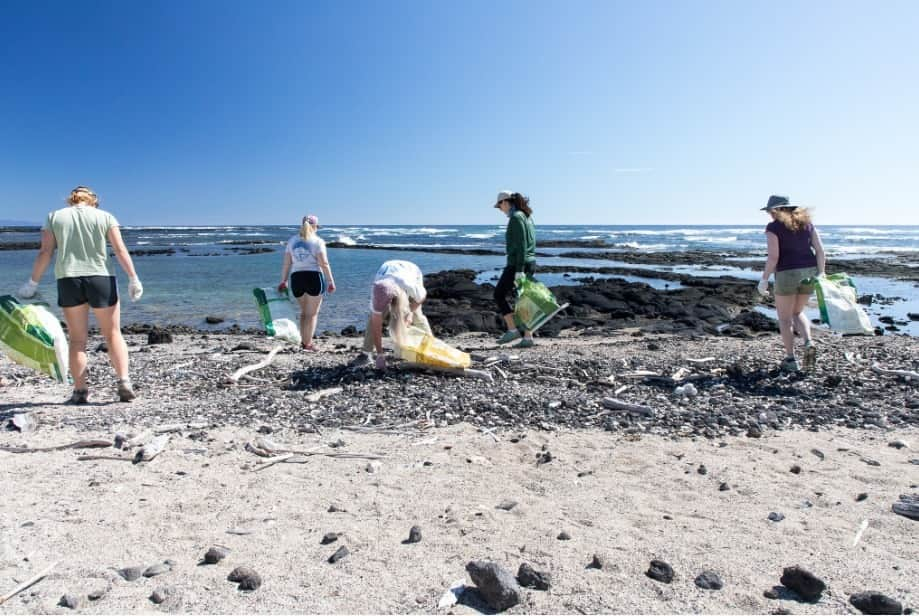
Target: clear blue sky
x,y
419,112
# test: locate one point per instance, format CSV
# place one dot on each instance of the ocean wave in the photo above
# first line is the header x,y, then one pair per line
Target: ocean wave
x,y
479,236
640,246
344,239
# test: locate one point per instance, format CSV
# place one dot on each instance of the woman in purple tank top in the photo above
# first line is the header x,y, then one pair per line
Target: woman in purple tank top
x,y
795,254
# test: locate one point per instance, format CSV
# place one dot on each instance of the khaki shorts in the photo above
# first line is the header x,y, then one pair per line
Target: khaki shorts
x,y
789,281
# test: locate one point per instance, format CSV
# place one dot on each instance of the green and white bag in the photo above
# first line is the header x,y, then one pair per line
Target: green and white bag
x,y
33,337
535,304
279,314
837,299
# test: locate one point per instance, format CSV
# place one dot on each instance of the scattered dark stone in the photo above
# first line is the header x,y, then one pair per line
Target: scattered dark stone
x,y
163,593
337,443
724,487
709,580
265,430
795,470
833,380
102,347
808,586
898,444
215,554
653,346
212,320
776,517
157,569
329,538
530,578
754,431
495,584
544,457
159,336
660,571
781,611
818,453
414,535
702,470
336,509
69,601
507,504
246,577
771,593
131,573
861,496
873,602
97,593
338,555
349,331
563,536
597,562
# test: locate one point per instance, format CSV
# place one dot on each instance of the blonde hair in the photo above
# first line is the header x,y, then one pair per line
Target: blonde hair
x,y
399,312
306,229
83,194
793,219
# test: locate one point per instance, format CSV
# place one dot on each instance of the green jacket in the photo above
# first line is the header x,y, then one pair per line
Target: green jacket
x,y
521,240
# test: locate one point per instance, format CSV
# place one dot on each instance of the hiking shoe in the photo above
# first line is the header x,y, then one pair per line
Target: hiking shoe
x,y
509,336
789,364
810,358
125,391
526,343
79,396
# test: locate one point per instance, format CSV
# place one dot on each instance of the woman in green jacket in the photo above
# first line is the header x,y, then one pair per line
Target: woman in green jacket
x,y
520,238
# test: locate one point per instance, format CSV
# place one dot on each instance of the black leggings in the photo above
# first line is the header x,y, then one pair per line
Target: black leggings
x,y
506,285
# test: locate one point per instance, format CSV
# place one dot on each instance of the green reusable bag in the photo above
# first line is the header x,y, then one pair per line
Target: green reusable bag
x,y
278,314
32,336
535,304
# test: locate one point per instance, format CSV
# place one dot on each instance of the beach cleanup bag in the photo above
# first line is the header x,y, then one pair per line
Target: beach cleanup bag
x,y
278,313
837,299
421,347
32,336
535,304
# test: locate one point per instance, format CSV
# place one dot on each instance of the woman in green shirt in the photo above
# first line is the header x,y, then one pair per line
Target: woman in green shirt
x,y
520,239
85,277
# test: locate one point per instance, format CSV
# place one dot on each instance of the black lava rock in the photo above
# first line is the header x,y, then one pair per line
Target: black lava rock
x,y
597,562
215,554
212,320
709,580
803,582
329,538
795,470
660,571
861,496
159,336
563,536
69,601
496,585
873,602
414,535
340,553
246,577
724,487
776,517
528,577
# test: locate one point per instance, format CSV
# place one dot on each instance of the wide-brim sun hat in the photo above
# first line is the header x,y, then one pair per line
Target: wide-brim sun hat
x,y
504,195
777,201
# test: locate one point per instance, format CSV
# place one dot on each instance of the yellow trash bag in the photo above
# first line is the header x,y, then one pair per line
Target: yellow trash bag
x,y
421,347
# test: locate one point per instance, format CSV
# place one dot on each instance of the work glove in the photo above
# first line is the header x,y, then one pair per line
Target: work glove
x,y
763,287
519,277
381,362
135,289
28,290
282,288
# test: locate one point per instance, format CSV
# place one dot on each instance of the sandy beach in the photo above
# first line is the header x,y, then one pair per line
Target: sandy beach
x,y
623,487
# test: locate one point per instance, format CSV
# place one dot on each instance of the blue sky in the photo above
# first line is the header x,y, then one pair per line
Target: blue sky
x,y
419,112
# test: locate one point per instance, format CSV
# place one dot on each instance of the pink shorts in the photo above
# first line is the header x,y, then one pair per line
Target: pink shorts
x,y
382,295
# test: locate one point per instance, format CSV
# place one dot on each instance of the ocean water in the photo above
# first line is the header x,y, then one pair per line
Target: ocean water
x,y
207,274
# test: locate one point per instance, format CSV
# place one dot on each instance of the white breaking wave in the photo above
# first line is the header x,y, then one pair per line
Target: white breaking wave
x,y
479,236
344,239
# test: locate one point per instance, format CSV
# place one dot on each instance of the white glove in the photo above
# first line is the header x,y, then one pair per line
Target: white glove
x,y
135,289
763,287
519,277
28,290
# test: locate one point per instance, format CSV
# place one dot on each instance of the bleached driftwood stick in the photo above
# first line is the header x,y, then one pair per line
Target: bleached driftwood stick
x,y
904,373
465,372
318,395
234,378
90,444
619,405
29,582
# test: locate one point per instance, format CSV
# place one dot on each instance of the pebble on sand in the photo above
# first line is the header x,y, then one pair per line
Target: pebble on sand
x,y
528,577
803,582
873,602
329,538
563,536
709,580
776,517
660,571
157,569
597,562
215,554
131,573
162,593
495,584
338,555
414,535
69,601
246,577
507,504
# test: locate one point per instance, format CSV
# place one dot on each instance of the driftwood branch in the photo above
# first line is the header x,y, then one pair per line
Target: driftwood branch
x,y
29,582
234,378
88,444
615,404
908,506
904,373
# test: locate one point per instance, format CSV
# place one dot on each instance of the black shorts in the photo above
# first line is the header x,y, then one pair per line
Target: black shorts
x,y
311,283
97,291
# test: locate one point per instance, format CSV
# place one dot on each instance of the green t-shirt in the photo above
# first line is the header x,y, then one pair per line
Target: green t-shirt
x,y
81,233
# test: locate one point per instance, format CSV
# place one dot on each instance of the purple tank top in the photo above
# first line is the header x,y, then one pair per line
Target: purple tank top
x,y
795,249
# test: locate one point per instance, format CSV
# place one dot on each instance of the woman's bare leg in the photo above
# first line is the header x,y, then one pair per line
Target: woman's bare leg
x,y
110,325
77,319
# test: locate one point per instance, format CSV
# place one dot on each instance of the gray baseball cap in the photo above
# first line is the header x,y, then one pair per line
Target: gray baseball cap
x,y
777,201
504,195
